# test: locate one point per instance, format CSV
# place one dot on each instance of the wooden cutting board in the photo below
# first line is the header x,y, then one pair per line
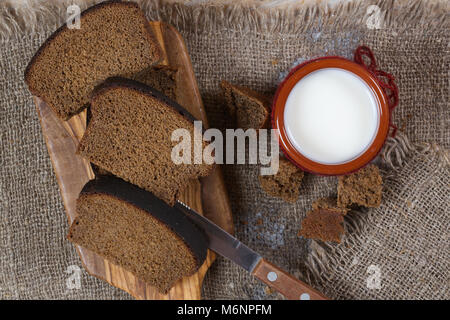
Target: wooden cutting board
x,y
207,196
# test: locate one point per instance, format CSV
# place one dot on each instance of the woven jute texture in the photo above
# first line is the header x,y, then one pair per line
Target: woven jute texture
x,y
401,249
254,45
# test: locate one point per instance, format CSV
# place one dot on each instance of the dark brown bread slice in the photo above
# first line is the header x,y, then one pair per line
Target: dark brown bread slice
x,y
248,108
285,184
323,224
363,188
130,133
134,229
114,39
161,78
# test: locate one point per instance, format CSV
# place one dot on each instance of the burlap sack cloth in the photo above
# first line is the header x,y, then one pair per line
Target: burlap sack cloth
x,y
397,251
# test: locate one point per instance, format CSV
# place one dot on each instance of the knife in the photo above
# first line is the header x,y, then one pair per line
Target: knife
x,y
231,248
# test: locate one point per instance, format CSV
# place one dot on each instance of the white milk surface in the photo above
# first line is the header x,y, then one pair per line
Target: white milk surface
x,y
331,116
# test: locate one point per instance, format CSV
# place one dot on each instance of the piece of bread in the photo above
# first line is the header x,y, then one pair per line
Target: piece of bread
x,y
161,78
114,39
247,108
323,224
130,133
362,188
135,230
285,184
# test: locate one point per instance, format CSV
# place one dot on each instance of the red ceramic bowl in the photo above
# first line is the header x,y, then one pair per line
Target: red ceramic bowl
x,y
278,116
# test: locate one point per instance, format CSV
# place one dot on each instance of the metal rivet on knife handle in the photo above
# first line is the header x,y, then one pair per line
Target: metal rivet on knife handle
x,y
283,282
272,276
305,296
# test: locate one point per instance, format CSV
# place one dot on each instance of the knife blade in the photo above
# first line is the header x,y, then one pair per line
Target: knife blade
x,y
222,242
231,248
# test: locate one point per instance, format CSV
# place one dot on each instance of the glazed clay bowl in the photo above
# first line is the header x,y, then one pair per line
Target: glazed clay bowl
x,y
295,155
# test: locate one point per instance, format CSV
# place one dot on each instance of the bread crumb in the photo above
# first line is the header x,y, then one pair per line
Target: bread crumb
x,y
363,188
269,290
285,184
323,224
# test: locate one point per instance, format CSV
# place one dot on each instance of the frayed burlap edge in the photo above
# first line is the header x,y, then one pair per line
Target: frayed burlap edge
x,y
395,154
28,17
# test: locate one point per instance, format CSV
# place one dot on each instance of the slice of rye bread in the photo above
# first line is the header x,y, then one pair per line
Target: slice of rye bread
x,y
323,224
362,188
114,39
161,78
247,108
130,133
134,229
285,184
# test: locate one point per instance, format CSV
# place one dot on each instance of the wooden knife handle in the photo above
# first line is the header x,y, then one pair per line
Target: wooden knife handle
x,y
283,282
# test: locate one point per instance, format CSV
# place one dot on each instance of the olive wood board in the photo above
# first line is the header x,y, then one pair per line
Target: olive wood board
x,y
207,196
